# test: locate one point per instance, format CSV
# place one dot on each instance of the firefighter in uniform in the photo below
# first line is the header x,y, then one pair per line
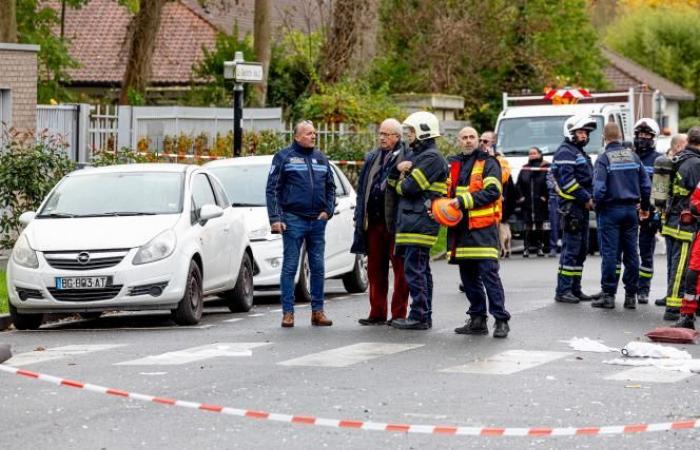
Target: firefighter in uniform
x,y
473,244
679,224
417,182
689,304
573,172
645,133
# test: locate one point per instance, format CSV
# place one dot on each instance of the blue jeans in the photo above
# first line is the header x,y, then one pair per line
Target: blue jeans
x,y
619,234
312,232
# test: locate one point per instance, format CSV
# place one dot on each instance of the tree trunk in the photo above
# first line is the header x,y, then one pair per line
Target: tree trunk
x,y
261,42
8,21
143,30
341,38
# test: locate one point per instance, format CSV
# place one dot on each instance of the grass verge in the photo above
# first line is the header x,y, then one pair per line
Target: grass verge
x,y
441,244
3,292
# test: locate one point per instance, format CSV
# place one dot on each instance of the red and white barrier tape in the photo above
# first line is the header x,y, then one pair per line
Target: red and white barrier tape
x,y
361,424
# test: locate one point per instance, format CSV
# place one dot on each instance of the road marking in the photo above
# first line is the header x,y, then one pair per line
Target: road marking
x,y
256,315
194,354
276,310
51,354
349,355
508,362
62,328
648,374
237,319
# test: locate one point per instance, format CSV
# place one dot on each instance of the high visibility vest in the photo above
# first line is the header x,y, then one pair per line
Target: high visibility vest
x,y
483,216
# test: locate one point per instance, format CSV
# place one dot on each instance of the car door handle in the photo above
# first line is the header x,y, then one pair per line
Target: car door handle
x,y
336,212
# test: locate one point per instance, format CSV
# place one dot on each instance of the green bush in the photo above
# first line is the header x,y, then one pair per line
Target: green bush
x,y
30,166
687,123
3,293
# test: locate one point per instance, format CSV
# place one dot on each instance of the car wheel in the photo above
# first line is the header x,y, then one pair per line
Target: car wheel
x,y
189,310
90,315
302,292
240,298
25,321
357,281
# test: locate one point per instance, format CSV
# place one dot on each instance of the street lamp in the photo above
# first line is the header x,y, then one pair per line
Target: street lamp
x,y
241,72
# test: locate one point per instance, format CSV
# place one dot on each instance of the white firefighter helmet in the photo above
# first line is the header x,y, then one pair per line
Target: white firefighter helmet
x,y
646,125
425,124
579,122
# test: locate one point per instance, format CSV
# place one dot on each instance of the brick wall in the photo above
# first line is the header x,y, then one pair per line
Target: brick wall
x,y
18,74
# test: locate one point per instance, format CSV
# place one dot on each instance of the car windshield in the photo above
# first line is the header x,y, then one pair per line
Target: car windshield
x,y
116,194
244,184
516,136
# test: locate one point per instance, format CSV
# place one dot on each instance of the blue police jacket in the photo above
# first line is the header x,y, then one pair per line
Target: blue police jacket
x,y
300,182
648,159
573,172
620,178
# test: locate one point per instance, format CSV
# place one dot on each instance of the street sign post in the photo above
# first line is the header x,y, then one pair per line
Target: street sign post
x,y
241,72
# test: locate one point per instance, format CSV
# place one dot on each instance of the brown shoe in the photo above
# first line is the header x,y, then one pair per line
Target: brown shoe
x,y
288,320
319,319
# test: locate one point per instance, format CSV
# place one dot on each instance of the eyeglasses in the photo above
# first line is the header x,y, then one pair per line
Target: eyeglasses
x,y
387,134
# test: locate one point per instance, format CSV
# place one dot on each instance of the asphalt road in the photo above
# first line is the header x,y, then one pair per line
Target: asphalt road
x,y
430,377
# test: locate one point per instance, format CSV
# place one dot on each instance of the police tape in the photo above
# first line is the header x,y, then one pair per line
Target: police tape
x,y
361,424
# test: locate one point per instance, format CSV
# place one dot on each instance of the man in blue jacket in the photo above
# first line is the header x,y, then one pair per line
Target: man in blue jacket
x,y
620,185
573,173
300,200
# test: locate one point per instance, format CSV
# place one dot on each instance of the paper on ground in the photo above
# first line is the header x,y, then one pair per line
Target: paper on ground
x,y
637,349
589,345
681,365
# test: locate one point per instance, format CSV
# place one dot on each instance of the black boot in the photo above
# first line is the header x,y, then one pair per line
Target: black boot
x,y
409,324
587,298
607,301
501,329
642,298
567,297
475,325
630,301
461,287
660,301
540,253
672,313
685,321
526,253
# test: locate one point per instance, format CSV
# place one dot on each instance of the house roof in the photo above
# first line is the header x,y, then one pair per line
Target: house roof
x,y
97,32
624,73
303,15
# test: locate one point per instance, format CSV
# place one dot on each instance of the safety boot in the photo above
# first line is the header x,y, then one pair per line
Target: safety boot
x,y
567,297
475,325
501,329
607,301
672,313
685,321
319,319
587,298
660,301
410,324
642,298
630,301
288,320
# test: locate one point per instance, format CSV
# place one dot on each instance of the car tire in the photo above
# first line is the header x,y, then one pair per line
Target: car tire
x,y
240,298
356,281
25,321
302,291
189,310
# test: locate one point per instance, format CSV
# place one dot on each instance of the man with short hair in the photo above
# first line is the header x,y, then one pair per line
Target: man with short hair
x,y
487,142
375,222
620,183
678,143
300,201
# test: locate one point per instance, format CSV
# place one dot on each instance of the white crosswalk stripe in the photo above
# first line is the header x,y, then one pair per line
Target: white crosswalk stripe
x,y
349,355
194,354
52,354
508,362
648,374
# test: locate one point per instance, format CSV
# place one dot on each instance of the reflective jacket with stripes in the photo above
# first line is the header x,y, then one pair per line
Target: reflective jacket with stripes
x,y
476,182
686,179
416,190
573,172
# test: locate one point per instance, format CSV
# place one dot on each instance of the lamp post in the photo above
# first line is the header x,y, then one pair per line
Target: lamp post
x,y
241,72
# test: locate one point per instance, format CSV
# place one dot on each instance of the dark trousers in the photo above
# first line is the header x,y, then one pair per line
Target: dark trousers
x,y
480,279
679,253
647,245
618,231
554,222
536,237
380,250
573,251
416,265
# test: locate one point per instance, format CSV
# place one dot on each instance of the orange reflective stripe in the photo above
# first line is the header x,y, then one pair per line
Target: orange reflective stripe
x,y
486,215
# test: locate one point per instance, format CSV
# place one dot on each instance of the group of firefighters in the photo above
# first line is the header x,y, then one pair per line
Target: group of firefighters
x,y
619,190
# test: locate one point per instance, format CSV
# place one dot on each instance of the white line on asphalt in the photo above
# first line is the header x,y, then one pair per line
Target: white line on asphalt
x,y
193,354
51,354
648,374
256,315
276,310
508,362
349,355
237,319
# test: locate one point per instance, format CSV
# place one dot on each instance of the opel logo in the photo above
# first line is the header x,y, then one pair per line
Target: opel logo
x,y
83,258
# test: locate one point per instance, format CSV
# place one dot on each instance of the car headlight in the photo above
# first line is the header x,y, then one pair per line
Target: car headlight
x,y
160,247
23,254
263,234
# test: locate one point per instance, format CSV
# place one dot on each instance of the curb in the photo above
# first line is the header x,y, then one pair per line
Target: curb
x,y
5,322
540,432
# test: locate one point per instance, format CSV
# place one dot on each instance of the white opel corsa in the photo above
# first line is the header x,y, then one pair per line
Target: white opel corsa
x,y
131,237
245,181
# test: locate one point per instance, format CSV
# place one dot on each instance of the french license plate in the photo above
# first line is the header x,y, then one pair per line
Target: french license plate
x,y
82,282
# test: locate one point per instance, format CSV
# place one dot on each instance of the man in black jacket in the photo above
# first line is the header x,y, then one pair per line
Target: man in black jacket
x,y
375,221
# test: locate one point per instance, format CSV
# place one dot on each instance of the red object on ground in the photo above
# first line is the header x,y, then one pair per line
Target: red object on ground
x,y
673,335
445,213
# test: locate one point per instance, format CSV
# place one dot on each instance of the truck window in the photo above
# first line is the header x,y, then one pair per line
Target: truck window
x,y
517,135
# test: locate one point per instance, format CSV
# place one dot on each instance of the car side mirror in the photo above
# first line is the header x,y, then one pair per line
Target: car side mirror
x,y
27,217
208,212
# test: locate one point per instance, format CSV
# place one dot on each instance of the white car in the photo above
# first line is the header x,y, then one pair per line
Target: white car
x,y
245,181
132,237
